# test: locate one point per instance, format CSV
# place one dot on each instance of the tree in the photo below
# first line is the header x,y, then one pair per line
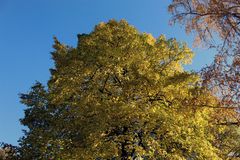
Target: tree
x,y
34,145
217,21
223,77
121,94
208,18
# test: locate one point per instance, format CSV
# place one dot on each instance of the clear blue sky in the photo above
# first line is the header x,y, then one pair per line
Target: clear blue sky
x,y
27,28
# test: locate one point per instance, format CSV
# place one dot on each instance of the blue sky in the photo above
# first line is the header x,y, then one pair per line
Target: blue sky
x,y
27,28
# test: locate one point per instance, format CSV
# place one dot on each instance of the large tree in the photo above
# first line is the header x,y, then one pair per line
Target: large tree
x,y
121,94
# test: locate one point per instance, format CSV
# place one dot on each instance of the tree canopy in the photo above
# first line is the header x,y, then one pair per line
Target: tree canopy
x,y
122,94
208,18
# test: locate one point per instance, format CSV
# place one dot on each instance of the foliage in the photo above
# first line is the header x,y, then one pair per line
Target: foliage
x,y
8,152
121,94
208,18
223,77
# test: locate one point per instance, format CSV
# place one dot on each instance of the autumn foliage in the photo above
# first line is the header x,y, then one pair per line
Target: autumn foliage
x,y
122,94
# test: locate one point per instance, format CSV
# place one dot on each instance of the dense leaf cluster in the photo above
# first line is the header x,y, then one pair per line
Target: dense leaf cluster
x,y
121,94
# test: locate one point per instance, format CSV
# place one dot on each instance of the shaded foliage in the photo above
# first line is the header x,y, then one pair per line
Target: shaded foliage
x,y
8,152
